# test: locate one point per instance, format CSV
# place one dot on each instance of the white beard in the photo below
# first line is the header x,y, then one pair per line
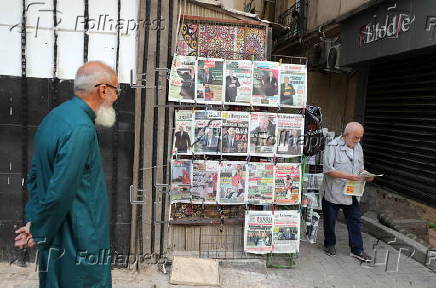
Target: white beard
x,y
105,116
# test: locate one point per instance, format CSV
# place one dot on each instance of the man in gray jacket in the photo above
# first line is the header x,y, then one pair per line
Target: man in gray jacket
x,y
343,160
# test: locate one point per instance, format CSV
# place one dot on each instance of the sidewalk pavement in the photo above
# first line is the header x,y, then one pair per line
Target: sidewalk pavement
x,y
314,270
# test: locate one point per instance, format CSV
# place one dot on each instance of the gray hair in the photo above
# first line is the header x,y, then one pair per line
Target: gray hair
x,y
352,126
87,77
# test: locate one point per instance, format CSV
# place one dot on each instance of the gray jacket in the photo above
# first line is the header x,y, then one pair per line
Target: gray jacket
x,y
336,159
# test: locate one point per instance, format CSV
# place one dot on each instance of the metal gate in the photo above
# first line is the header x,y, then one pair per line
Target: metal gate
x,y
400,125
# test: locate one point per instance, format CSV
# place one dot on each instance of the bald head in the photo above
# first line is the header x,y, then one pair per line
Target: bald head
x,y
353,133
97,84
353,126
90,74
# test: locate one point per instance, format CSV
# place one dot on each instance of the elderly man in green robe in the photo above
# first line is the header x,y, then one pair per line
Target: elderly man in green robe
x,y
67,215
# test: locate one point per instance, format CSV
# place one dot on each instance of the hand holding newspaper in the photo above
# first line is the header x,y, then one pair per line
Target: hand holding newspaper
x,y
365,173
356,188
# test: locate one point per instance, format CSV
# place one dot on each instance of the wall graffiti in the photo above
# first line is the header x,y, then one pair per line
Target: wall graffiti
x,y
394,23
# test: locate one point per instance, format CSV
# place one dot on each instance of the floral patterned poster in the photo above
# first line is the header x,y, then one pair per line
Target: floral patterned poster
x,y
187,40
217,41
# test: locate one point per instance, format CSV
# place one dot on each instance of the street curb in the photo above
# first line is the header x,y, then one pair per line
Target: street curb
x,y
398,240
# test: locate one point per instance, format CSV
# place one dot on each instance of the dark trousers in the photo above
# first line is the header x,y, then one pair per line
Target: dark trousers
x,y
352,215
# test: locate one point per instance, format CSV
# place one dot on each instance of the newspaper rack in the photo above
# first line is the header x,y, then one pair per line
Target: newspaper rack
x,y
198,126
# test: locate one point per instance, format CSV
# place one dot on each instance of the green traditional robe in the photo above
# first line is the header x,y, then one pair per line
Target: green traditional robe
x,y
68,204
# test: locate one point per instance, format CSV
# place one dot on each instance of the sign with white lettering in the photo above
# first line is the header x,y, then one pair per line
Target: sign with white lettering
x,y
388,29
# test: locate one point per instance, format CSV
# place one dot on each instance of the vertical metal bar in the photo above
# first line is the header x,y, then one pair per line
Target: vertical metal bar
x,y
141,153
115,146
186,240
233,244
167,115
22,255
216,247
24,103
225,243
85,35
118,35
55,81
156,95
147,208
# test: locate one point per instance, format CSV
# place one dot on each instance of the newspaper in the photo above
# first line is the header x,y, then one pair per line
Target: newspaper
x,y
313,181
369,174
181,180
286,231
357,188
258,232
238,82
262,134
182,79
210,82
287,184
354,188
265,83
312,224
260,183
312,200
293,85
235,132
272,232
207,132
290,139
180,194
233,181
183,132
205,181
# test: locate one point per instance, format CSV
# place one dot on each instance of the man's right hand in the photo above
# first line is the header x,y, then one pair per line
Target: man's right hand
x,y
356,178
24,238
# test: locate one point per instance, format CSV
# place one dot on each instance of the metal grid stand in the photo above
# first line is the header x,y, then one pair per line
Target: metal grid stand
x,y
224,246
288,261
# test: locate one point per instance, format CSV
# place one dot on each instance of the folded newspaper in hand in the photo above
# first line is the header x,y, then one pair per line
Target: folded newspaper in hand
x,y
356,188
369,174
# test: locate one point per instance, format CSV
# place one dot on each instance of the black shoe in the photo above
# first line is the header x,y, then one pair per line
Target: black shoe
x,y
331,251
362,256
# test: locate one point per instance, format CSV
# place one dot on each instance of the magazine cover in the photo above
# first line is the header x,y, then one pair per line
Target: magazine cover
x,y
210,82
262,134
233,181
235,132
312,200
290,135
181,180
260,183
287,184
205,181
180,194
182,79
312,224
265,83
238,82
207,132
286,231
313,181
293,85
183,132
258,232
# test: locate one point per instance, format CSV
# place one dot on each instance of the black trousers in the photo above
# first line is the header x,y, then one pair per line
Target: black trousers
x,y
352,215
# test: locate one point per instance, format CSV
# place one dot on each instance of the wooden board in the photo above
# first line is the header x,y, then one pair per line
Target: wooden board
x,y
195,271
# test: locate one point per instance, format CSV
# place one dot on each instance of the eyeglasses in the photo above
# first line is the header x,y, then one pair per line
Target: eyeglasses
x,y
117,90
